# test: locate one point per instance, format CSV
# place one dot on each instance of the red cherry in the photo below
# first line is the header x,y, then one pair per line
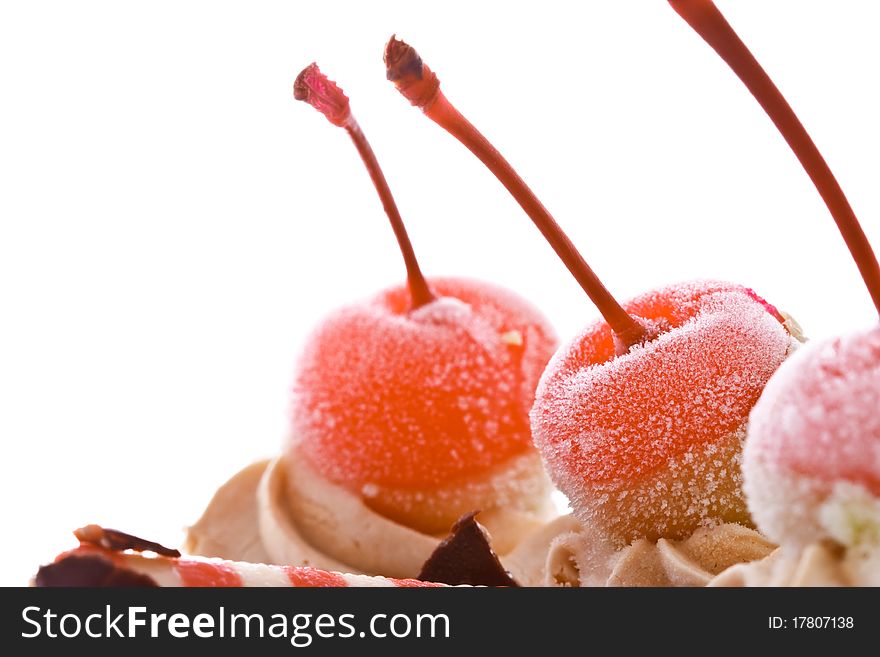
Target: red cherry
x,y
417,399
812,457
640,419
648,444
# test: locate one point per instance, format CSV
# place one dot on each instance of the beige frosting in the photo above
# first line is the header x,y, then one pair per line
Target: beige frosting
x,y
305,517
564,553
264,514
830,535
229,527
818,564
693,561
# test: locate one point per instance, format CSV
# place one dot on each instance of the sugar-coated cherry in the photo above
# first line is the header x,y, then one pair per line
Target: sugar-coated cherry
x,y
417,399
641,418
812,456
648,444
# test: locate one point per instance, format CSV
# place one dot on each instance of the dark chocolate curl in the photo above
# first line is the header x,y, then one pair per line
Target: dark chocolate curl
x,y
466,557
117,541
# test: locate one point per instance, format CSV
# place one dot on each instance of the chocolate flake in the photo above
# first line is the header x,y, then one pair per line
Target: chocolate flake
x,y
117,541
90,570
466,557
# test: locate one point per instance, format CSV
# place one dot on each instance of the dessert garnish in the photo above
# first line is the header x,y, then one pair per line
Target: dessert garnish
x,y
93,564
417,399
640,419
117,541
466,557
812,457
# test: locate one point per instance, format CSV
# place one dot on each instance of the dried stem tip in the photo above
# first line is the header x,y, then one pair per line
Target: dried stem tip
x,y
418,84
320,92
412,77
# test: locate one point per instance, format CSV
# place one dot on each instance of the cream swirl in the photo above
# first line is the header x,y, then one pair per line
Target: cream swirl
x,y
264,515
283,512
837,543
564,553
818,564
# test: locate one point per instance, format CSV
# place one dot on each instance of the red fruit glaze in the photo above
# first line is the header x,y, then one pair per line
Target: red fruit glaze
x,y
202,573
413,399
304,576
416,584
621,435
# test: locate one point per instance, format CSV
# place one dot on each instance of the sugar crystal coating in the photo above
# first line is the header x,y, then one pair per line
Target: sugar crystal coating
x,y
388,397
648,444
812,455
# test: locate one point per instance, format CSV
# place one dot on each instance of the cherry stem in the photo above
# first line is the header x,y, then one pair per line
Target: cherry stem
x,y
325,96
420,86
705,18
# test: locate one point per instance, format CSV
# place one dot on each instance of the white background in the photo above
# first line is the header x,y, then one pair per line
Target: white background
x,y
173,223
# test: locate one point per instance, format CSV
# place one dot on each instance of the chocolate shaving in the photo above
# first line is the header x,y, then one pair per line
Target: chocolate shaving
x,y
90,570
116,541
466,557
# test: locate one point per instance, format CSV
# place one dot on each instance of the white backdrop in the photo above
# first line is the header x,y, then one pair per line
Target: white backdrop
x,y
172,220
